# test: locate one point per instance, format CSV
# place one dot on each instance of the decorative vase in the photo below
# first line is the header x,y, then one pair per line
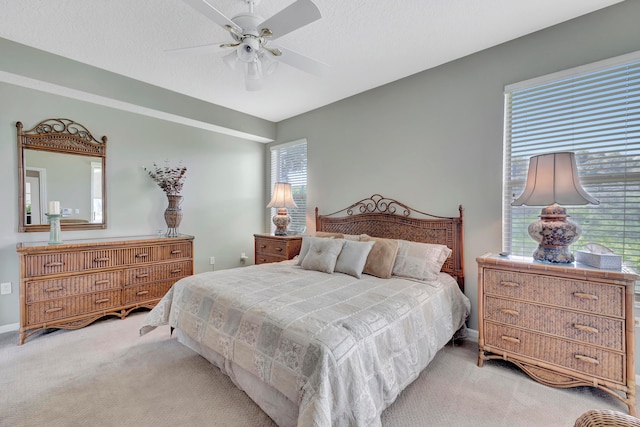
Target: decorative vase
x,y
173,215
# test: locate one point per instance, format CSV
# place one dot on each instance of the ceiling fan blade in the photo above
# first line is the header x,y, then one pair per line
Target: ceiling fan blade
x,y
302,62
212,13
292,17
209,47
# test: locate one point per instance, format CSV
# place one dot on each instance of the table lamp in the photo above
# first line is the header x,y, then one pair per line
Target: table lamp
x,y
282,199
553,180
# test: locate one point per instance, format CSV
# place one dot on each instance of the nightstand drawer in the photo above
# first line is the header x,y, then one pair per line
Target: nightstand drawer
x,y
576,294
271,247
590,329
583,359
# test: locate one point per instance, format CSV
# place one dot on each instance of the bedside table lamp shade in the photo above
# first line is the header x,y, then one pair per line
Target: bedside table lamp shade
x,y
281,200
552,180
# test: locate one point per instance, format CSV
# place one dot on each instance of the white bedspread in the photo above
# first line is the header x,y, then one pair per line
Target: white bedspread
x,y
340,348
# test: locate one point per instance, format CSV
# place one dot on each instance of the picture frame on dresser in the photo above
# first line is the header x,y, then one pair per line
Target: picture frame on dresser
x,y
73,284
565,325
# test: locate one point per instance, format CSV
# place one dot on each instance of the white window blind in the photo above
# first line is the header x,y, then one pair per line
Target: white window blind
x,y
595,114
289,164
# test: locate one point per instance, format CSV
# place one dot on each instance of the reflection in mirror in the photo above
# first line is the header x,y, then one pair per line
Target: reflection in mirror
x,y
59,160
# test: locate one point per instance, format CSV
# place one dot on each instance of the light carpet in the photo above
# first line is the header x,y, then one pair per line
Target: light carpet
x,y
107,375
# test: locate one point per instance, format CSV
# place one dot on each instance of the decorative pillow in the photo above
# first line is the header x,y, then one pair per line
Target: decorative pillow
x,y
421,261
322,255
328,234
353,257
382,256
306,241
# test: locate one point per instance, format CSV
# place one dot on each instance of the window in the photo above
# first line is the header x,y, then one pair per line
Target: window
x,y
593,111
289,164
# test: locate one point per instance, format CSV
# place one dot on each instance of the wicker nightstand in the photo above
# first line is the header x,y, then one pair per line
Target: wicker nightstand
x,y
564,325
270,248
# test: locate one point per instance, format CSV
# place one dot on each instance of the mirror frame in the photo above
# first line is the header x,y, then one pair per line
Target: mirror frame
x,y
59,136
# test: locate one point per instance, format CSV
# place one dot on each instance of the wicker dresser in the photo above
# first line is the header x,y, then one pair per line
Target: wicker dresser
x,y
564,325
270,248
75,283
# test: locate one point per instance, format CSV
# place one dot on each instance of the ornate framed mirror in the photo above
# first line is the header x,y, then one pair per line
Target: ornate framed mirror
x,y
60,160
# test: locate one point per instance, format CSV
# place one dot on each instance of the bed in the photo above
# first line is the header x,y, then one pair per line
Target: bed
x,y
333,336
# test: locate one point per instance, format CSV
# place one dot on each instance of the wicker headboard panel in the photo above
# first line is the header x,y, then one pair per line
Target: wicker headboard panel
x,y
379,216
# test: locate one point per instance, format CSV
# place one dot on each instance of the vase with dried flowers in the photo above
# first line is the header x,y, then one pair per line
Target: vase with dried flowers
x,y
170,179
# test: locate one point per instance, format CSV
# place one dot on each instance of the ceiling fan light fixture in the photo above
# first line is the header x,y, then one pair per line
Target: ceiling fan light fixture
x,y
248,49
231,60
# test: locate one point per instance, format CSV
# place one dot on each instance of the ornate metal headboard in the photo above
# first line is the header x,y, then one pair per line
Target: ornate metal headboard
x,y
379,216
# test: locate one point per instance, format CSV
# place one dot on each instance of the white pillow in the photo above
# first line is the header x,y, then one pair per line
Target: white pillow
x,y
306,241
353,257
421,261
322,255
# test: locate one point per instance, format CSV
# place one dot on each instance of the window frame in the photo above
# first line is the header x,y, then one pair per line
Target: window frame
x,y
515,164
298,186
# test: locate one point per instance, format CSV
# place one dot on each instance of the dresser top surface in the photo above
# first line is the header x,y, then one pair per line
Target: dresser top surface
x,y
527,263
105,241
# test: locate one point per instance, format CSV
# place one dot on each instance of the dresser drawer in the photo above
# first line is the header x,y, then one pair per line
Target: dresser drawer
x,y
106,258
606,299
583,359
154,273
590,329
149,291
47,311
40,290
48,264
174,251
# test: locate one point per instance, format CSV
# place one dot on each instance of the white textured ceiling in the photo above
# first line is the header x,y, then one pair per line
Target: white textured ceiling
x,y
367,43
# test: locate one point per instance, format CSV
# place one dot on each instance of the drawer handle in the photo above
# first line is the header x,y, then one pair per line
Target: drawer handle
x,y
582,295
142,255
510,284
102,301
279,249
141,276
177,270
101,282
54,264
263,246
53,310
176,252
513,340
509,311
585,328
587,359
59,288
103,259
263,260
141,293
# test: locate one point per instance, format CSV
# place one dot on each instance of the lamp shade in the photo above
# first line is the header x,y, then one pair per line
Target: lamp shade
x,y
282,197
553,178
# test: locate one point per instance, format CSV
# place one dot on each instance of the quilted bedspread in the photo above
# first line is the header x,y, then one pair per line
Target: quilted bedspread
x,y
341,348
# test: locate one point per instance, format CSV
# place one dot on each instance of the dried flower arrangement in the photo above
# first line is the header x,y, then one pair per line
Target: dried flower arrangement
x,y
170,179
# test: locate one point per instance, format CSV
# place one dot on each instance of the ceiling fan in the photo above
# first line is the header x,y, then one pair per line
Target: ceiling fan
x,y
252,36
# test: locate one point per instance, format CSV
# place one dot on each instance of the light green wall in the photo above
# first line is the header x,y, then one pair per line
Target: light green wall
x,y
434,140
223,193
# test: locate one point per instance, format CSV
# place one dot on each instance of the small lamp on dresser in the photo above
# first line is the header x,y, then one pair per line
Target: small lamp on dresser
x,y
281,200
553,179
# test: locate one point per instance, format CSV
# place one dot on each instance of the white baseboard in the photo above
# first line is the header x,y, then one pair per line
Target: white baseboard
x,y
9,328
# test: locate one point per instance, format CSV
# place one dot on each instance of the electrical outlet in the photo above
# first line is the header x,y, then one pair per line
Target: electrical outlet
x,y
212,260
5,288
